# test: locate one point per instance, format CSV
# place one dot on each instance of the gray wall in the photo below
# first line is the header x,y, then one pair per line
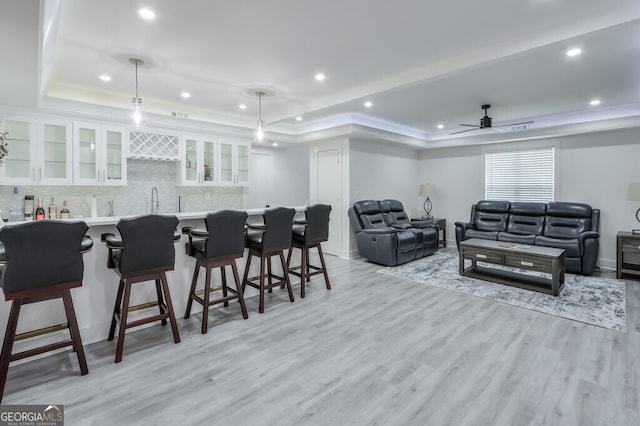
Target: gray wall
x,y
593,168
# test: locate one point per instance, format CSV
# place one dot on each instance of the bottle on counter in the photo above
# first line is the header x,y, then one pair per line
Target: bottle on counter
x,y
28,208
53,210
40,210
65,213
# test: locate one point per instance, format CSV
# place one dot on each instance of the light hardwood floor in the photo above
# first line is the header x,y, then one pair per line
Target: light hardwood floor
x,y
373,350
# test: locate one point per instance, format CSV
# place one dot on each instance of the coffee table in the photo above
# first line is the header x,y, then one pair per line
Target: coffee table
x,y
547,260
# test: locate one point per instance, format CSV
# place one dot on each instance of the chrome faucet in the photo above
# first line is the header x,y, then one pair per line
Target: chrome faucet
x,y
155,202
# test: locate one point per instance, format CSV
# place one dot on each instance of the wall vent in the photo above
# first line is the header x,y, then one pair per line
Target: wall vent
x,y
180,114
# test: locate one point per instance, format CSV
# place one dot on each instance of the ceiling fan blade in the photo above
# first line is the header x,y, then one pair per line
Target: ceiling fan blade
x,y
464,131
515,124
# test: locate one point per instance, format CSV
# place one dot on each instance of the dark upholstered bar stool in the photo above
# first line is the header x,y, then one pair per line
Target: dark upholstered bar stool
x,y
266,241
217,247
313,231
145,252
43,261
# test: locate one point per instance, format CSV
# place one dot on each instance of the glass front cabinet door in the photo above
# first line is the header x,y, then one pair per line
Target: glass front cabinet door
x,y
39,152
234,163
99,154
199,161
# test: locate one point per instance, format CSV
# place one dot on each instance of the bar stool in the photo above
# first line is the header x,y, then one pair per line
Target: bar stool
x,y
271,239
314,230
219,246
145,252
43,261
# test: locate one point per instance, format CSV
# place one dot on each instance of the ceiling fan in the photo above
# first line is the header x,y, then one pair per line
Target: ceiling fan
x,y
485,122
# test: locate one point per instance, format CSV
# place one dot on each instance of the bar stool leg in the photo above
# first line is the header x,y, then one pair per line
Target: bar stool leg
x,y
116,310
124,310
286,275
205,305
243,306
160,301
74,331
262,265
324,268
172,317
192,291
223,275
269,273
304,255
7,345
246,271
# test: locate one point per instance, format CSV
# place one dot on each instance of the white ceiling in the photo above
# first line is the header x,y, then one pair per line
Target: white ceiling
x,y
420,62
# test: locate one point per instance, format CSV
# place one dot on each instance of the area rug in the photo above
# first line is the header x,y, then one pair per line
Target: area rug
x,y
592,300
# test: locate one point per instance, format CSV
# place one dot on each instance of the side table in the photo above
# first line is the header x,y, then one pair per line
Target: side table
x,y
628,253
442,224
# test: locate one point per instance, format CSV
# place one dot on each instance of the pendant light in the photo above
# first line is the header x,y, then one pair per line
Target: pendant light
x,y
136,101
259,136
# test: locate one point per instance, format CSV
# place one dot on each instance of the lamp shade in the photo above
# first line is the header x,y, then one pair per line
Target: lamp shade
x,y
427,190
633,193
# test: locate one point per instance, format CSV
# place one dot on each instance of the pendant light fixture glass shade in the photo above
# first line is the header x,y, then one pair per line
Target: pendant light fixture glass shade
x,y
260,135
136,101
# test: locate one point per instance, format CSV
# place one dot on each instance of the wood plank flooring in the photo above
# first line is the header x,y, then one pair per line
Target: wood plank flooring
x,y
373,350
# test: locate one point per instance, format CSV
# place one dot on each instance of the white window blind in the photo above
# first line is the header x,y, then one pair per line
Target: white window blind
x,y
523,175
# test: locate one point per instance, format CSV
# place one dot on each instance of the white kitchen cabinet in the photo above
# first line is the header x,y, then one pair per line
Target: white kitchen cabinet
x,y
39,152
99,154
199,161
234,163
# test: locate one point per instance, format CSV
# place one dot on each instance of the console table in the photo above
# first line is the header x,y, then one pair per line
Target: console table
x,y
442,225
547,260
628,248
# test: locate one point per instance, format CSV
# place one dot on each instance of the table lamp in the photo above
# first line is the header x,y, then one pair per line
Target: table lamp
x,y
633,194
427,190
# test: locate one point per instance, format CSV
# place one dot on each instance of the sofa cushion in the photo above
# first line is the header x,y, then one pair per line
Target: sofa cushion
x,y
485,235
570,245
393,211
517,238
565,227
492,222
526,218
407,240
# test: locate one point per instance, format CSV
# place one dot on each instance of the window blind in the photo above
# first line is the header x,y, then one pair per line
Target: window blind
x,y
522,175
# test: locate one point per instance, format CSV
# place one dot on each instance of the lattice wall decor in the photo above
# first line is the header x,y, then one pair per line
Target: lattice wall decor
x,y
153,146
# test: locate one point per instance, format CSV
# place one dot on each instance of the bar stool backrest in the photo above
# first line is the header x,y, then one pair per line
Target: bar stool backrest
x,y
42,254
226,233
317,223
147,242
278,223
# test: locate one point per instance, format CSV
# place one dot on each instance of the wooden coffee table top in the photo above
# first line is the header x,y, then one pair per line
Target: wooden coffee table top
x,y
513,247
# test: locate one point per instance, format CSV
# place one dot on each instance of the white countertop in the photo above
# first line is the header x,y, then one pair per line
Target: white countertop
x,y
112,220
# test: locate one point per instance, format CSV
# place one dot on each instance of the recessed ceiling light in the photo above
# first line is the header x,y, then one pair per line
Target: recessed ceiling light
x,y
574,52
595,102
319,77
147,14
105,77
368,104
440,126
242,106
274,144
185,95
298,118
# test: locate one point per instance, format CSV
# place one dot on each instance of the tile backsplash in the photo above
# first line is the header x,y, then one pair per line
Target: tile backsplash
x,y
135,198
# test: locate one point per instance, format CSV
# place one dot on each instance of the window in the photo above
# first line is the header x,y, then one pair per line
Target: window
x,y
521,175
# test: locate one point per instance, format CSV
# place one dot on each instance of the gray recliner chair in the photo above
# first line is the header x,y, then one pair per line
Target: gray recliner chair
x,y
385,235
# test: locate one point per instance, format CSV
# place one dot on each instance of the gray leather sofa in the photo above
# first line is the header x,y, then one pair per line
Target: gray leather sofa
x,y
385,235
570,226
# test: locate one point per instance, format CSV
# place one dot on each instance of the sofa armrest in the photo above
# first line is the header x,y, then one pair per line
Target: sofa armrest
x,y
425,224
379,231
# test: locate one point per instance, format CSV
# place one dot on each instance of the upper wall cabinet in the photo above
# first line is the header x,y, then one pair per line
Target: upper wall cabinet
x,y
39,152
99,154
234,163
199,161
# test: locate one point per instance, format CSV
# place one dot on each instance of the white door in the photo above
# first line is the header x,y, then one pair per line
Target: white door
x,y
329,190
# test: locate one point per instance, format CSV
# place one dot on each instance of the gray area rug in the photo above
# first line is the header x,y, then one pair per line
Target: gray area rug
x,y
592,300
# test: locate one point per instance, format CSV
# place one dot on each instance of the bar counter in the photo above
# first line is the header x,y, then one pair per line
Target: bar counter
x,y
94,300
